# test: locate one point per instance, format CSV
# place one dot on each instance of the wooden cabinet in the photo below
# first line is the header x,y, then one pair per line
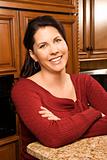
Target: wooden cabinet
x,y
9,42
92,34
64,6
7,152
14,17
9,148
13,22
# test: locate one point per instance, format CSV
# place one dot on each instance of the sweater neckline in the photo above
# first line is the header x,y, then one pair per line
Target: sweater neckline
x,y
53,96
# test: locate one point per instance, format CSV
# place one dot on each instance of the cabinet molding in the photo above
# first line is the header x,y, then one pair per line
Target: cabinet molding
x,y
9,49
64,6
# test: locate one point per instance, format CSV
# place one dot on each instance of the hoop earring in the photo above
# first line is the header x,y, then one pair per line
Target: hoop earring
x,y
36,65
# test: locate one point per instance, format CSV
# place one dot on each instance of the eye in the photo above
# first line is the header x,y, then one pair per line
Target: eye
x,y
42,45
58,40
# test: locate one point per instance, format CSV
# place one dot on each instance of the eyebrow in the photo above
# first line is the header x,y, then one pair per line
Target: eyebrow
x,y
46,41
58,37
41,43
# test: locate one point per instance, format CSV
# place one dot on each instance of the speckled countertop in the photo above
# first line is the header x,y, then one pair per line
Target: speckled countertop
x,y
94,148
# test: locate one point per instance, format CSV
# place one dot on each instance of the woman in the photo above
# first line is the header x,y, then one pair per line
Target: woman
x,y
55,108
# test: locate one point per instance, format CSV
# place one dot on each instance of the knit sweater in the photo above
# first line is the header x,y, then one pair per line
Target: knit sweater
x,y
79,119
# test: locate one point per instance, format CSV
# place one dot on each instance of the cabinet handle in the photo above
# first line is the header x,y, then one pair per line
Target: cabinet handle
x,y
89,48
74,14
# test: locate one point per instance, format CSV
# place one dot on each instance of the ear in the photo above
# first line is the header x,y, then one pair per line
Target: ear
x,y
32,55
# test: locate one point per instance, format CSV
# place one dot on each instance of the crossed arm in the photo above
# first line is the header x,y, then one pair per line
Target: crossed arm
x,y
44,112
60,130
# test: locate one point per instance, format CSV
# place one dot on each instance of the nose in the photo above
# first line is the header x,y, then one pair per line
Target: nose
x,y
54,49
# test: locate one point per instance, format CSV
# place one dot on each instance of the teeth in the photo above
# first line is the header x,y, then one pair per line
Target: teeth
x,y
56,59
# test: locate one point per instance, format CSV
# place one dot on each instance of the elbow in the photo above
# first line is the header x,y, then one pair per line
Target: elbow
x,y
55,142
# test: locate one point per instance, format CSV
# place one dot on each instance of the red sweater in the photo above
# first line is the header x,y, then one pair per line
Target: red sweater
x,y
78,120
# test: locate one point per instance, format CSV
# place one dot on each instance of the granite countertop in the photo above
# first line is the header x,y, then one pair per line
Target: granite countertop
x,y
94,148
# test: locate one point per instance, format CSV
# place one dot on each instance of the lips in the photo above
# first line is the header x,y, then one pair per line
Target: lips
x,y
56,59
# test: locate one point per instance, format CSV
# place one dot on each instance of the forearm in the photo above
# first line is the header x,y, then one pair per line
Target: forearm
x,y
97,129
67,130
52,133
96,95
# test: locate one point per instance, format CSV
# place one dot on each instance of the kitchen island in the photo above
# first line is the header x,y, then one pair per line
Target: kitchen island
x,y
94,148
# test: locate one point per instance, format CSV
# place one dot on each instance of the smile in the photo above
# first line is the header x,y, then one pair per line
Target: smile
x,y
56,60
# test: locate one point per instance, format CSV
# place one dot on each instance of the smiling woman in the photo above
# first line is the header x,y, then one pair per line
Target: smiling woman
x,y
55,108
32,43
49,50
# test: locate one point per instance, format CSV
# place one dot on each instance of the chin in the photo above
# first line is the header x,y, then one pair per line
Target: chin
x,y
59,70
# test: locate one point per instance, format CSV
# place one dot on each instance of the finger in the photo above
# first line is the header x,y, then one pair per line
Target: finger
x,y
54,118
45,109
45,112
44,115
41,112
47,116
50,117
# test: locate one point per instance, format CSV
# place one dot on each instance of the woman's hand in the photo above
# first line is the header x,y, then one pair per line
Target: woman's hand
x,y
44,112
103,115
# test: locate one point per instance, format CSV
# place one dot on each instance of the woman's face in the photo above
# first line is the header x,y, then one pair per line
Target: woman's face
x,y
50,49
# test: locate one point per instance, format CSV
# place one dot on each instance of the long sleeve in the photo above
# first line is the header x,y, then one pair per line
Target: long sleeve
x,y
70,129
96,95
50,133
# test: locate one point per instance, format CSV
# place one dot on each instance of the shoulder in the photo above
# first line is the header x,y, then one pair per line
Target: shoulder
x,y
85,81
24,89
82,80
22,82
22,85
81,77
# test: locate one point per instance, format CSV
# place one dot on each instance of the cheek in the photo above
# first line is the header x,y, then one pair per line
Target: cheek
x,y
64,48
41,56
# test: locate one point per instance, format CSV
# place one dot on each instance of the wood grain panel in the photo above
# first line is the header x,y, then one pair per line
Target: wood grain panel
x,y
9,42
7,152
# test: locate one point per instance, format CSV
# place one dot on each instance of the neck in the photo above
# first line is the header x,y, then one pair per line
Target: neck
x,y
54,79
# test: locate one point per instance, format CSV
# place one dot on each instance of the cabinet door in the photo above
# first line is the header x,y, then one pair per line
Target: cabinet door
x,y
92,32
71,2
70,24
9,43
8,152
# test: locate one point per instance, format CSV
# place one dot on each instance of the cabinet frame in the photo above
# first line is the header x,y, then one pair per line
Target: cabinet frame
x,y
91,56
64,6
9,54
